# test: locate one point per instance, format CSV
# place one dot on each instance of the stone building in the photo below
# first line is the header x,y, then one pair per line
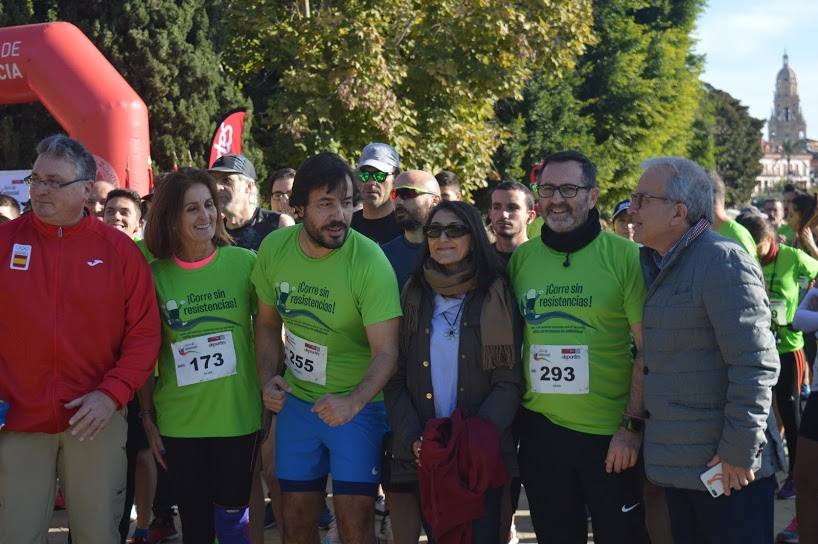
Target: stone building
x,y
788,156
786,122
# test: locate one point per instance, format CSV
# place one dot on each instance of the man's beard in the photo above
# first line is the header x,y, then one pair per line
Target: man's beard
x,y
408,220
323,239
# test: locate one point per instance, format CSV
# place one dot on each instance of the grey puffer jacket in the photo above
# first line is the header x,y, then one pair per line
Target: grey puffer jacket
x,y
710,363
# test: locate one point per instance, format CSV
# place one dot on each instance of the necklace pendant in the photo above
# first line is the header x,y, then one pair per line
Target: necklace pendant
x,y
451,333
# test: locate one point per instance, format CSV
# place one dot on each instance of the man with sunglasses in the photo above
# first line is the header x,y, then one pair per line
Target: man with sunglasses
x,y
580,292
415,194
79,334
377,168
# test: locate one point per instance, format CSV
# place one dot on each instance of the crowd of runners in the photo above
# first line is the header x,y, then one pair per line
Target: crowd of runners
x,y
373,337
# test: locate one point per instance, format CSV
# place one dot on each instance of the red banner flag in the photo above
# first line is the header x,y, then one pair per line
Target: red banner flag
x,y
228,135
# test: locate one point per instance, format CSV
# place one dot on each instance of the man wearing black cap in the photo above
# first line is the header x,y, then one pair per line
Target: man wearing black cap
x,y
377,168
622,220
238,197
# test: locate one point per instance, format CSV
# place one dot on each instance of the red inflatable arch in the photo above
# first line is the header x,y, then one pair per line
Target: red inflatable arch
x,y
57,65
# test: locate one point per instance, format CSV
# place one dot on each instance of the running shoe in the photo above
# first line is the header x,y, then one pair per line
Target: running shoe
x,y
162,529
790,534
137,540
787,490
269,516
326,519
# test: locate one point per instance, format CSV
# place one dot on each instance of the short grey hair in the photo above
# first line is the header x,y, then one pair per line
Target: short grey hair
x,y
62,147
688,184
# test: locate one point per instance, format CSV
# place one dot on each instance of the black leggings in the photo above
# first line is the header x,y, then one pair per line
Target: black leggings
x,y
788,397
207,472
563,471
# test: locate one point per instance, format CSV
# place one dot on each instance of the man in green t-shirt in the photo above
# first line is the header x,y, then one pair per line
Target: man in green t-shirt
x,y
336,297
723,224
580,292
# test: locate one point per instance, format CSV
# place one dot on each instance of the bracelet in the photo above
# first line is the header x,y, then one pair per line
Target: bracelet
x,y
143,413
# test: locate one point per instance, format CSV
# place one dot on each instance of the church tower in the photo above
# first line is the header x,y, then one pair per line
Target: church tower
x,y
786,123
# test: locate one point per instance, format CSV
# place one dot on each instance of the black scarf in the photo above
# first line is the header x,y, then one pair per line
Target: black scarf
x,y
569,242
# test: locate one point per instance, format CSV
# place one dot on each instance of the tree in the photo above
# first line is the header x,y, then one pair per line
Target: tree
x,y
169,51
633,95
736,140
423,76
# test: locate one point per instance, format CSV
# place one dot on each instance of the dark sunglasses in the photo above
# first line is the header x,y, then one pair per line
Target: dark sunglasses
x,y
452,230
377,175
407,193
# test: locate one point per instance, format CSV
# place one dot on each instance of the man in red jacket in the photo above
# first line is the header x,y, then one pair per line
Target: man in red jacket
x,y
79,334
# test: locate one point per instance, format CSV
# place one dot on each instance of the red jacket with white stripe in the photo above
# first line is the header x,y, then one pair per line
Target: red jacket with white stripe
x,y
77,313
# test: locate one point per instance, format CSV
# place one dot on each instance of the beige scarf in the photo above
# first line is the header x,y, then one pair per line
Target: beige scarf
x,y
496,315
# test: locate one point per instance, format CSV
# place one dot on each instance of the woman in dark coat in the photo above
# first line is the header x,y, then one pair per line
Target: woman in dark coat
x,y
459,349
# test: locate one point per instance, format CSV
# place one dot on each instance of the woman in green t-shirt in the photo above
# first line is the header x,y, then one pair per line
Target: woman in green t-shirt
x,y
785,269
203,418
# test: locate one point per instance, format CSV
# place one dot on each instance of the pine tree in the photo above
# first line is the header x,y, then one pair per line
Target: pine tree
x,y
633,94
167,50
737,145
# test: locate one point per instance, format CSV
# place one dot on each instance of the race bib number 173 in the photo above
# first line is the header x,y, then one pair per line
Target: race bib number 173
x,y
204,358
559,369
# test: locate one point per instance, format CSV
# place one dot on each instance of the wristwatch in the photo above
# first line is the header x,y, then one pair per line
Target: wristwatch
x,y
632,424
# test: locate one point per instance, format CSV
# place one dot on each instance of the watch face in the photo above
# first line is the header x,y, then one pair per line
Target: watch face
x,y
633,424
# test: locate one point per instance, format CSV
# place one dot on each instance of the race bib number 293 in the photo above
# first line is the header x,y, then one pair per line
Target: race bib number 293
x,y
559,369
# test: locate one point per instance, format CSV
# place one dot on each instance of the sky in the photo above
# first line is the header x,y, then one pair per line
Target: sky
x,y
743,42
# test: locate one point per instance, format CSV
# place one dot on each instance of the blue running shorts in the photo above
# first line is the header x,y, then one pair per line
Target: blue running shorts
x,y
307,450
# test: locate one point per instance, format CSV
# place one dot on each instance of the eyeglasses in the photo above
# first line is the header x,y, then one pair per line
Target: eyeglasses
x,y
567,191
377,175
452,230
636,199
408,193
278,195
32,181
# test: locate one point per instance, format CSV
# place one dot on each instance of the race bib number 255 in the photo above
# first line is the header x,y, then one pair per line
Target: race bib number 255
x,y
559,369
305,359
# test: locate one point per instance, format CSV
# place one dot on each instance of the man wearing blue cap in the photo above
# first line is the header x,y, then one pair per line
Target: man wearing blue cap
x,y
377,168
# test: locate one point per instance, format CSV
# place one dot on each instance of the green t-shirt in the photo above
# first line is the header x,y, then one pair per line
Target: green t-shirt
x,y
782,279
786,231
326,305
578,317
207,346
733,230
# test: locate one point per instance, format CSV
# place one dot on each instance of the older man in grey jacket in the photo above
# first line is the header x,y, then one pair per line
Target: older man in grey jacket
x,y
710,362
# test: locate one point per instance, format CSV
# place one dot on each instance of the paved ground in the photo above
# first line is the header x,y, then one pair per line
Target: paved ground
x,y
784,510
